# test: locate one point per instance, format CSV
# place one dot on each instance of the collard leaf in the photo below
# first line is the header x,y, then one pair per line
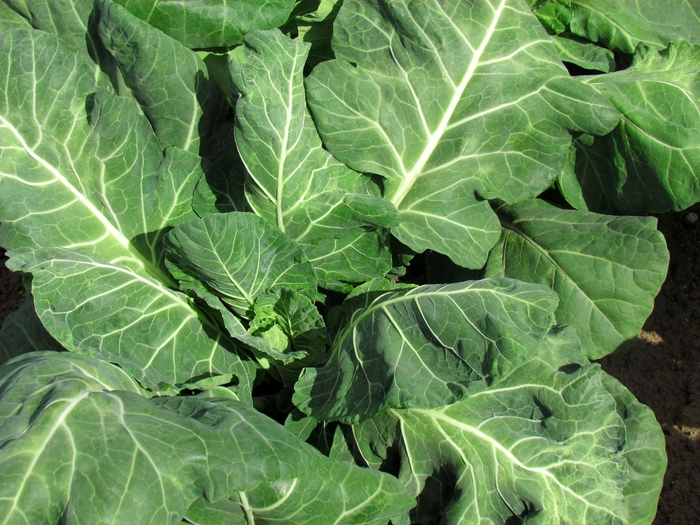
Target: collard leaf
x,y
77,431
583,54
177,96
72,21
330,491
423,96
211,23
22,332
622,25
293,182
649,163
239,256
73,179
112,312
579,255
545,444
427,347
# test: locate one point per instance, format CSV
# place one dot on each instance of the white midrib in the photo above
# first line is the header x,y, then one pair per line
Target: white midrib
x,y
114,232
434,137
285,143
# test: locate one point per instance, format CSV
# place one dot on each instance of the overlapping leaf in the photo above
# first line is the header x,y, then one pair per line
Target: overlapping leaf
x,y
649,163
427,347
77,431
606,270
211,23
177,96
293,182
328,492
239,256
622,25
117,314
74,22
423,95
567,445
22,332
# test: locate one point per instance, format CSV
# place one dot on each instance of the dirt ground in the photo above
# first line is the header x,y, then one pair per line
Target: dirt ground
x,y
662,369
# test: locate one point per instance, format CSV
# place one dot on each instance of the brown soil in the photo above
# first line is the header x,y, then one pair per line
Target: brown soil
x,y
662,369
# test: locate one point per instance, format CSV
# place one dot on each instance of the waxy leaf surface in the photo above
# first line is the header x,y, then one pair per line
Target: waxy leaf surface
x,y
423,95
293,182
427,347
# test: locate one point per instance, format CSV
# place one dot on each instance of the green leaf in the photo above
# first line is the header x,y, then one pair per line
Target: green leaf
x,y
177,96
545,445
606,270
423,95
22,332
316,28
649,163
330,491
77,161
112,312
77,432
72,21
427,347
211,23
293,182
238,256
622,25
583,54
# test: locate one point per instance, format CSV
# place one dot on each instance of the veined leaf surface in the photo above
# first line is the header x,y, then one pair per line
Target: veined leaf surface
x,y
649,163
559,446
427,347
211,23
80,444
293,182
623,24
239,256
121,316
578,255
177,96
423,95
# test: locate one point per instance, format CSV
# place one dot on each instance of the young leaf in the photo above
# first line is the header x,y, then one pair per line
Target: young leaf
x,y
578,255
114,313
583,54
293,182
427,347
423,95
649,163
239,256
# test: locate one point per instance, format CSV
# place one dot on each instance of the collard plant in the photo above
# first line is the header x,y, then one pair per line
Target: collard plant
x,y
335,262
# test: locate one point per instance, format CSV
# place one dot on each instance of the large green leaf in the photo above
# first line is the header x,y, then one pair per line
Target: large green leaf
x,y
74,22
211,23
649,163
328,492
177,96
548,444
293,182
80,444
427,347
72,178
114,313
623,24
423,95
607,270
239,256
